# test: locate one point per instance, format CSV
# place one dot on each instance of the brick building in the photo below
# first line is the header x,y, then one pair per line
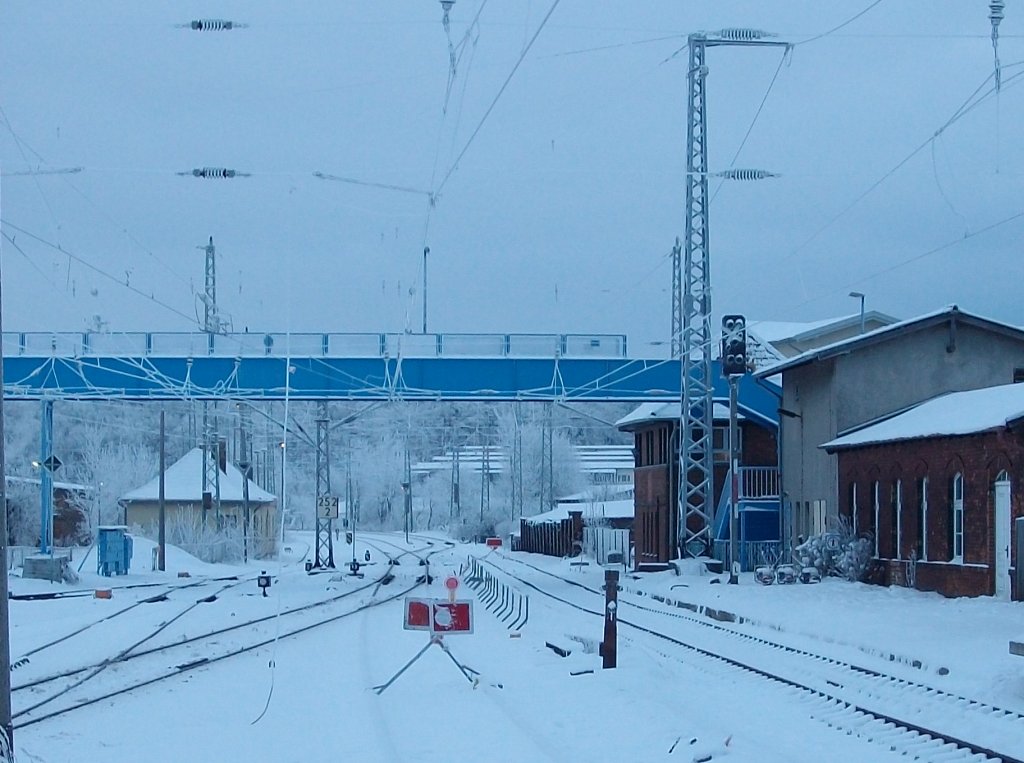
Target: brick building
x,y
655,481
939,486
866,377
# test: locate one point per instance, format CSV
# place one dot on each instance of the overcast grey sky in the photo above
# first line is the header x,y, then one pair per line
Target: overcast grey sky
x,y
562,211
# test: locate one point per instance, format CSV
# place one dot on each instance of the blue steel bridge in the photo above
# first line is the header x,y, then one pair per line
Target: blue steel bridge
x,y
331,366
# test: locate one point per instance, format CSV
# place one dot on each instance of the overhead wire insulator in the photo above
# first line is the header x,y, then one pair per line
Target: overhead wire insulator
x,y
995,16
740,174
212,25
214,172
446,6
742,35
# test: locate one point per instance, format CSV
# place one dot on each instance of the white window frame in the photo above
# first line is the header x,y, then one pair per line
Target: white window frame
x,y
875,489
898,518
958,518
924,519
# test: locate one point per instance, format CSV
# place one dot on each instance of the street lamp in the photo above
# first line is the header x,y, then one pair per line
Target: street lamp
x,y
860,296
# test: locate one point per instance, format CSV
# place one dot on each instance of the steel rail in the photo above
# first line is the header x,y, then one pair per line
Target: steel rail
x,y
832,699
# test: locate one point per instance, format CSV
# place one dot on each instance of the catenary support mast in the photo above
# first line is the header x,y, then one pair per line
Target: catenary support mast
x,y
324,541
694,511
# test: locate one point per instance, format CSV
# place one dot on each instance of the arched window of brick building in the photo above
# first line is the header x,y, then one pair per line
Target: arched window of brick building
x,y
896,519
922,519
876,508
956,524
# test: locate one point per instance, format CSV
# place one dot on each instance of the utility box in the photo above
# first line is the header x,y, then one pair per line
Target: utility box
x,y
113,550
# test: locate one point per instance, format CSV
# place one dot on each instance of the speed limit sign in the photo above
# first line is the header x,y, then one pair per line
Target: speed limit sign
x,y
327,507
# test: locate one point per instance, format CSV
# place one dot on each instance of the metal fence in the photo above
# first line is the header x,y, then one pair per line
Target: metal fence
x,y
598,542
759,482
752,553
364,345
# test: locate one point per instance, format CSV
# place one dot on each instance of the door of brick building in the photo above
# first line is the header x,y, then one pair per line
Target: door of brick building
x,y
1002,523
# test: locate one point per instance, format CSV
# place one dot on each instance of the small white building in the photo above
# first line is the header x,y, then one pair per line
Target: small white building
x,y
183,501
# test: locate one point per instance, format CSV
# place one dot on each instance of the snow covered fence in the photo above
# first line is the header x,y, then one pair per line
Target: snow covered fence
x,y
553,537
598,542
499,598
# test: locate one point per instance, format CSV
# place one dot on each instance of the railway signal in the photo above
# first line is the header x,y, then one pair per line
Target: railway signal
x,y
441,618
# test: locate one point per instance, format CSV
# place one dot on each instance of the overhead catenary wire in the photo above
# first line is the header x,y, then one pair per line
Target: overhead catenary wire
x,y
792,306
971,103
494,102
82,261
64,171
840,26
39,187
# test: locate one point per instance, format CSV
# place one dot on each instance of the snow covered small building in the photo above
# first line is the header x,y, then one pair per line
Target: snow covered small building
x,y
184,505
939,487
655,429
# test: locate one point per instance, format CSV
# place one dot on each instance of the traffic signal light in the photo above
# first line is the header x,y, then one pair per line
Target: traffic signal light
x,y
348,538
734,345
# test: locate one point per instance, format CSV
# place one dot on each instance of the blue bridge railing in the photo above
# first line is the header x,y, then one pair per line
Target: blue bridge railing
x,y
338,345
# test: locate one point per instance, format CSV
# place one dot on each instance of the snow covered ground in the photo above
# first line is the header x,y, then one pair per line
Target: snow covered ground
x,y
309,697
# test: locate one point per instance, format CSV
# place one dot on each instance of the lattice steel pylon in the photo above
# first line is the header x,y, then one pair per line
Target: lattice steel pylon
x,y
694,510
211,466
324,541
676,337
211,318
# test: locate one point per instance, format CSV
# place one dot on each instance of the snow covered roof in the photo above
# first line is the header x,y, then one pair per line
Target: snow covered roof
x,y
58,485
606,491
956,413
594,510
886,332
183,481
668,412
776,331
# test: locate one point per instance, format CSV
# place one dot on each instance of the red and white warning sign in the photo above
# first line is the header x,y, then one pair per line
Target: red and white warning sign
x,y
451,616
452,584
417,614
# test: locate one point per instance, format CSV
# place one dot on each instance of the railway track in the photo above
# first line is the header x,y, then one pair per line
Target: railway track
x,y
151,665
902,715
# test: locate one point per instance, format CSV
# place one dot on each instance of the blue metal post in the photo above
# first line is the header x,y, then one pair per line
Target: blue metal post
x,y
45,477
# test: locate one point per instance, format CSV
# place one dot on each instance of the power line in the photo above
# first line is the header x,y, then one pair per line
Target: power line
x,y
110,219
31,262
965,108
840,26
753,122
915,258
95,269
371,184
494,102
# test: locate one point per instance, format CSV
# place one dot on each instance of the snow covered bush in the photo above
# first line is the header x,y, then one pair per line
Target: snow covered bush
x,y
838,552
186,530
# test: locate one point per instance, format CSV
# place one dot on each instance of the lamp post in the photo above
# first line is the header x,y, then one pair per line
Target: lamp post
x,y
426,251
860,296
